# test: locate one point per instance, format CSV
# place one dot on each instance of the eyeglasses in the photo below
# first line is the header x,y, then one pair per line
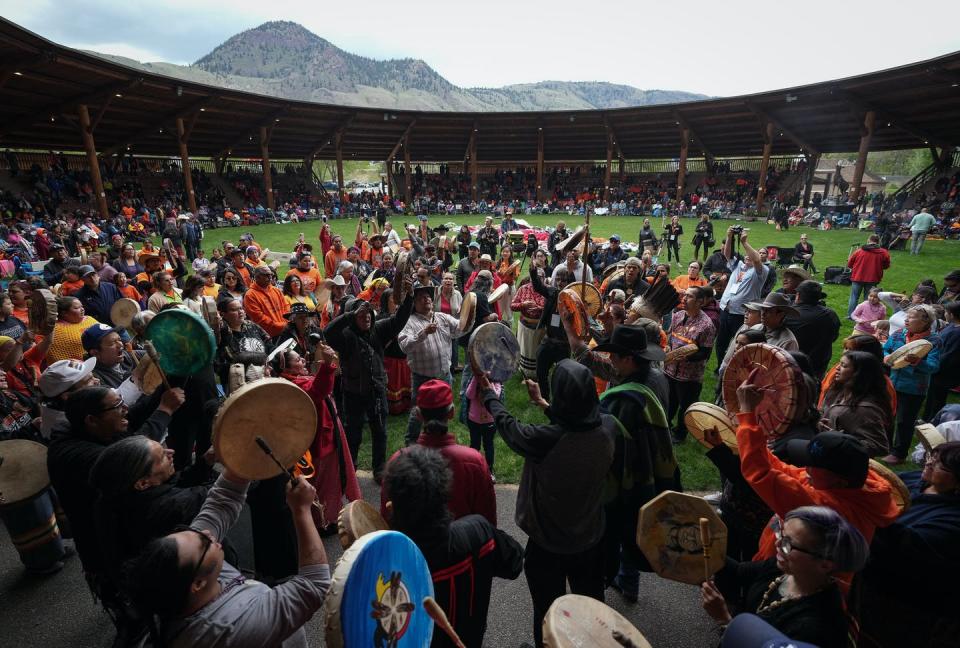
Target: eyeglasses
x,y
785,545
205,540
934,461
120,404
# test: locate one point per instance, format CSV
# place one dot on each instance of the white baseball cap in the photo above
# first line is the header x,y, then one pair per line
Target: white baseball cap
x,y
64,374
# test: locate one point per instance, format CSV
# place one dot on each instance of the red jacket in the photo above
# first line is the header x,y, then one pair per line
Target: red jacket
x,y
784,487
868,264
471,490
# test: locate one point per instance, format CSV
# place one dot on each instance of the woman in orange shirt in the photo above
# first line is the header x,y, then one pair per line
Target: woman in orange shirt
x,y
127,289
18,295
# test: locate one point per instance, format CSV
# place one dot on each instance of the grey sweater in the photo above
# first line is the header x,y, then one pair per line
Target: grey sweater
x,y
248,613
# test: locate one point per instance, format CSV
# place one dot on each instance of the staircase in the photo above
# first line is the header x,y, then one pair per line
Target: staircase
x,y
928,176
233,198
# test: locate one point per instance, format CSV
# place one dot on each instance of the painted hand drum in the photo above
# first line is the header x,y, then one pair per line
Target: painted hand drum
x,y
495,349
701,417
668,534
376,597
183,340
779,376
574,621
570,304
589,295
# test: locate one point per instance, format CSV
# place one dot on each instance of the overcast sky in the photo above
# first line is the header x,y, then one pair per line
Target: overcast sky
x,y
719,47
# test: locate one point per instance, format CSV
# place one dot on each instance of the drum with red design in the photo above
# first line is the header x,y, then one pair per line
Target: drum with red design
x,y
780,378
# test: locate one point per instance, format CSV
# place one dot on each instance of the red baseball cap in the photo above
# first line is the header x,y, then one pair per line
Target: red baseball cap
x,y
434,394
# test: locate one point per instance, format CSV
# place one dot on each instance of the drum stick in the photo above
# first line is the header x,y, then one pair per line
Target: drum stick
x,y
262,443
705,541
440,618
152,352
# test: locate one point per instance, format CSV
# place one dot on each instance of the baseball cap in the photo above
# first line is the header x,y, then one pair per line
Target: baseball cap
x,y
615,237
84,270
434,394
91,337
839,453
64,374
474,245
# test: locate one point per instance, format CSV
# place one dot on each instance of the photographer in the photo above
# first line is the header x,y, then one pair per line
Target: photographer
x,y
747,276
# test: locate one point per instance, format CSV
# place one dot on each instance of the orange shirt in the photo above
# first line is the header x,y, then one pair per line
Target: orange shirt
x,y
310,279
130,292
22,314
70,287
243,273
331,260
683,282
266,307
211,291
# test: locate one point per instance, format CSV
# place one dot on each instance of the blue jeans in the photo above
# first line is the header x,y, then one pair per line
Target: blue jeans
x,y
856,289
917,243
413,426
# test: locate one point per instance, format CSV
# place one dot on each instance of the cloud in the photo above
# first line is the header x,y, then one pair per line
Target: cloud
x,y
128,50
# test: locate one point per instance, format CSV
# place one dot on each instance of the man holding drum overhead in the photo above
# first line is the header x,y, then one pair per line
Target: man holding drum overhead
x,y
200,599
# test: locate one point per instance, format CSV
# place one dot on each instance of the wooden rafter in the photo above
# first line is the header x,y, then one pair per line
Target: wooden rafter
x,y
330,137
131,138
766,116
403,138
684,125
884,114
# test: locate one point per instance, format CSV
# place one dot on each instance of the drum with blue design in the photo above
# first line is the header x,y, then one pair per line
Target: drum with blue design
x,y
376,598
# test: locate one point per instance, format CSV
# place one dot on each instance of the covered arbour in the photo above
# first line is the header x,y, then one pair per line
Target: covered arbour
x,y
56,98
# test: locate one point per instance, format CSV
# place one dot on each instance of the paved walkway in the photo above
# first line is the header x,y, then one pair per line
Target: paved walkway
x,y
58,611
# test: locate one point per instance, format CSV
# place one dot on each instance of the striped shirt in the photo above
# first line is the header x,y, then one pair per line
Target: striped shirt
x,y
429,355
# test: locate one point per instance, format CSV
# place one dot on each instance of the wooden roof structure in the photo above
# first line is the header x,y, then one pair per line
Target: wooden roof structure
x,y
42,84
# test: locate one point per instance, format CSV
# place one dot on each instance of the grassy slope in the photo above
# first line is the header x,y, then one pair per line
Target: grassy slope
x,y
832,248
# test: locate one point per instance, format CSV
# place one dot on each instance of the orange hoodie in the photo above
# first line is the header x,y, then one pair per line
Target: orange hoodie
x,y
784,487
266,307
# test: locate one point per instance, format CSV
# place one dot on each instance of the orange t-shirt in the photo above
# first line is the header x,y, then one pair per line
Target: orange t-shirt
x,y
683,282
70,287
310,279
331,260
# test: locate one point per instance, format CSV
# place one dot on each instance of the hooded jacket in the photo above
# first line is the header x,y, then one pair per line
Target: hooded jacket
x,y
868,263
266,306
565,464
784,487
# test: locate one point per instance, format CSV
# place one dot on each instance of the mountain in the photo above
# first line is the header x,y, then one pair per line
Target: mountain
x,y
284,59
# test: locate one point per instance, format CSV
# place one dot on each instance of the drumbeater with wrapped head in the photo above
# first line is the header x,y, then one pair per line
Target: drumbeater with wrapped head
x,y
660,299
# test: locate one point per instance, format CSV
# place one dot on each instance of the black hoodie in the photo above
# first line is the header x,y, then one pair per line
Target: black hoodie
x,y
566,462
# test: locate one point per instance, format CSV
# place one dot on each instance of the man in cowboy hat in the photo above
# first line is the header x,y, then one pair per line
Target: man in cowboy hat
x,y
774,311
643,462
816,326
792,276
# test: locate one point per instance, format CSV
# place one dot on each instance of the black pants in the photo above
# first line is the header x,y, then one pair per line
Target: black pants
x,y
364,408
940,387
729,325
696,249
908,408
274,536
551,352
483,433
548,573
683,394
673,247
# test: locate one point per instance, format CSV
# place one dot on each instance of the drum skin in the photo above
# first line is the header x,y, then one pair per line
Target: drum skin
x,y
376,596
494,348
898,358
569,302
778,373
574,621
43,311
184,341
356,520
901,494
23,470
702,416
274,408
468,312
123,311
589,295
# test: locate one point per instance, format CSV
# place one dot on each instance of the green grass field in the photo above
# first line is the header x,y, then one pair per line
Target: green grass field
x,y
832,249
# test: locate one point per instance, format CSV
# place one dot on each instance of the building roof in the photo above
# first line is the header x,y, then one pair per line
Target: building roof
x,y
42,83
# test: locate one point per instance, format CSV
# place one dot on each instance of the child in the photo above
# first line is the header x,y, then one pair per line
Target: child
x,y
71,281
480,422
868,312
200,263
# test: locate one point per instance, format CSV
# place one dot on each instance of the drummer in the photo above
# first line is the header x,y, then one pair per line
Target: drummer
x,y
303,328
553,346
114,363
426,340
913,380
97,296
177,577
241,341
685,376
529,303
631,283
463,554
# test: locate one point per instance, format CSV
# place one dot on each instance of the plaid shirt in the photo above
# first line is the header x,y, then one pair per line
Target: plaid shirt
x,y
684,331
429,355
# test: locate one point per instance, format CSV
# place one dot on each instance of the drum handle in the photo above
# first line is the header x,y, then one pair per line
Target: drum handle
x,y
440,618
706,542
152,352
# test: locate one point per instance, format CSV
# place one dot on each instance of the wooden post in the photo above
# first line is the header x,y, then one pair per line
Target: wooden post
x,y
182,137
869,121
621,169
764,164
813,161
388,163
265,161
606,173
682,169
408,186
340,183
86,132
474,180
540,164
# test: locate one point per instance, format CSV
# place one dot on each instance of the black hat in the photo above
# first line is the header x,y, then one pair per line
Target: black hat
x,y
839,453
631,340
810,291
299,309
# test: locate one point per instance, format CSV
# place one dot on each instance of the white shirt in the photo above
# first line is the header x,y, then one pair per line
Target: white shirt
x,y
429,355
744,286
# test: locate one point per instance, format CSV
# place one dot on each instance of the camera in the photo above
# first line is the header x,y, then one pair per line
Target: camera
x,y
736,230
315,337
